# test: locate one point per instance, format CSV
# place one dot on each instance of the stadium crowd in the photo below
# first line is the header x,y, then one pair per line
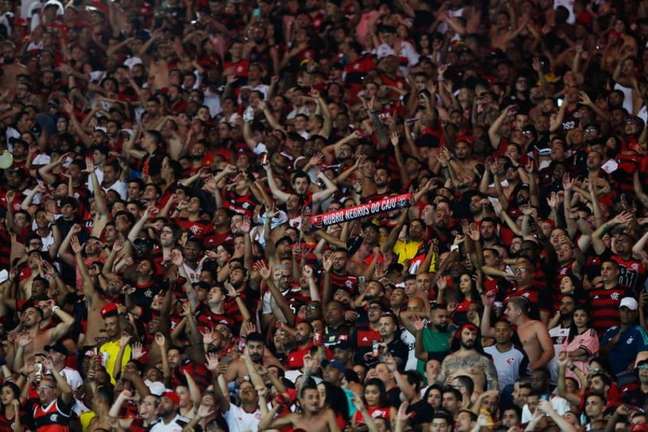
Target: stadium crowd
x,y
162,267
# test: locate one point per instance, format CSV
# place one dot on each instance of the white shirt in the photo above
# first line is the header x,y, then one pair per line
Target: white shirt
x,y
410,340
240,421
120,187
406,50
506,363
569,5
176,425
559,404
99,173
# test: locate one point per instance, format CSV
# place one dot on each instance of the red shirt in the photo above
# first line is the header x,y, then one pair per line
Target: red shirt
x,y
604,306
374,412
197,228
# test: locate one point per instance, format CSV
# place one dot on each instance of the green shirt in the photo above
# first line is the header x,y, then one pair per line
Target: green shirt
x,y
436,344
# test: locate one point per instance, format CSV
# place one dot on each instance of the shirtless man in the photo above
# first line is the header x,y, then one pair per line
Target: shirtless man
x,y
94,299
313,418
30,329
463,164
258,354
468,361
10,68
533,334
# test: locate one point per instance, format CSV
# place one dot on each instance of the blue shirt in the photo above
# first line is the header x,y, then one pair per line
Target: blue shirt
x,y
631,342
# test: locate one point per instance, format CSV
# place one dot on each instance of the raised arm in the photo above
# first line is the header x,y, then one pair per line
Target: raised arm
x,y
274,188
638,189
329,190
597,241
270,117
556,119
493,131
61,382
393,235
88,285
67,321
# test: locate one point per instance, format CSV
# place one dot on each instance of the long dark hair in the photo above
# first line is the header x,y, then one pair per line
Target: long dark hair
x,y
336,400
573,331
382,400
14,389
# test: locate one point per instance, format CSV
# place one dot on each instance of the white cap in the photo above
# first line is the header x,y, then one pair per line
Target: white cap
x,y
132,61
58,4
155,387
629,302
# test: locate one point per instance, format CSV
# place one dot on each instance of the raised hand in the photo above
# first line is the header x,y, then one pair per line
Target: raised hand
x,y
394,138
315,160
568,182
75,245
553,201
473,232
488,299
160,340
327,263
442,283
90,166
212,362
545,407
48,365
246,328
204,411
245,225
187,309
419,324
623,218
263,270
176,257
68,107
125,395
584,99
308,272
231,291
208,337
124,340
24,339
137,351
402,415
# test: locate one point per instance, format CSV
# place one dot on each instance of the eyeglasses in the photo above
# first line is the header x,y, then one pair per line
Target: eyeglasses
x,y
44,387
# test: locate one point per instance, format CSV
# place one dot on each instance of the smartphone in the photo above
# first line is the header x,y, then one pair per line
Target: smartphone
x,y
264,158
559,102
4,276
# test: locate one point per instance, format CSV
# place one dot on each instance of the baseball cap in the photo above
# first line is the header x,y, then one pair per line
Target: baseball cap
x,y
630,303
337,365
109,310
172,396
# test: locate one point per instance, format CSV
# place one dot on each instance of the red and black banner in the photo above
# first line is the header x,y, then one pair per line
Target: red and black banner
x,y
363,210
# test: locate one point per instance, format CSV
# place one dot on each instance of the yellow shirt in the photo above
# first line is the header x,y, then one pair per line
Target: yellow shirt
x,y
110,350
86,418
406,250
